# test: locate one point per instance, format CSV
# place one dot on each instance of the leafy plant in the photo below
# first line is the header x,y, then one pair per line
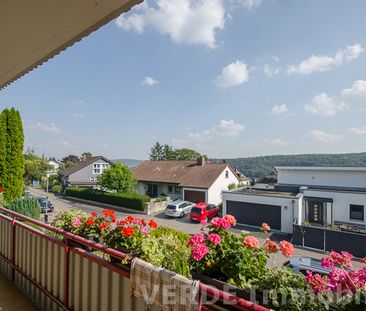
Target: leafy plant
x,y
231,186
57,189
65,219
27,206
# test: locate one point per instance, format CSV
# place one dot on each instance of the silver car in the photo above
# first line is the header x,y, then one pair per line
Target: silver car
x,y
178,208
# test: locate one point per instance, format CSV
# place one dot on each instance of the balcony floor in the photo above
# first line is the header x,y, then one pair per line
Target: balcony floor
x,y
11,299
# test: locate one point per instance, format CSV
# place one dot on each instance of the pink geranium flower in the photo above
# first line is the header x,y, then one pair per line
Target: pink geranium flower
x,y
287,248
198,238
251,241
76,222
199,252
214,238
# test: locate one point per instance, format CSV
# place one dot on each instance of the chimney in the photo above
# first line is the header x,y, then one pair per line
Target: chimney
x,y
201,161
83,159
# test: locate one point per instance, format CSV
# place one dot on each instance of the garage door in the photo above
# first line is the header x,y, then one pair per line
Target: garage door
x,y
255,214
194,196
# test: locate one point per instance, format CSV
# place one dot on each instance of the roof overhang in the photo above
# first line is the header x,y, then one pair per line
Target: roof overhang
x,y
32,32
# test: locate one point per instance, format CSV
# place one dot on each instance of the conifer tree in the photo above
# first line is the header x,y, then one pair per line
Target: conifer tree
x,y
3,143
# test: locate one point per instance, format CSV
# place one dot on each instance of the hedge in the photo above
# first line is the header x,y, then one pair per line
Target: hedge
x,y
128,200
27,206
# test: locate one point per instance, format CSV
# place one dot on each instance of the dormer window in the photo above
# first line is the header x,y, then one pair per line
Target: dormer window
x,y
226,174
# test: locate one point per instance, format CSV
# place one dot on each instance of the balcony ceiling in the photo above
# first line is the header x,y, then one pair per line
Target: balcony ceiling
x,y
33,31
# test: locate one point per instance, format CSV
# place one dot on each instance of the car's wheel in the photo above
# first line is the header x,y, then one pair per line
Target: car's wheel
x,y
181,214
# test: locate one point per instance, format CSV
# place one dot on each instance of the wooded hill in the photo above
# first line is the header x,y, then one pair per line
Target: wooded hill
x,y
259,166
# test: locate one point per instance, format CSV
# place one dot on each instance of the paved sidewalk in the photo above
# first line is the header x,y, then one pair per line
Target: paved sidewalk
x,y
11,299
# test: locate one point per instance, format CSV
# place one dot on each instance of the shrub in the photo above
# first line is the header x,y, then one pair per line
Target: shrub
x,y
27,206
231,186
57,189
128,200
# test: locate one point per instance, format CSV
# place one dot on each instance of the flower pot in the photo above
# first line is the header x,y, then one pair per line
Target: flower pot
x,y
82,246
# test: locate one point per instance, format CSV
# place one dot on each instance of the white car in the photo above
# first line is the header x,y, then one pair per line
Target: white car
x,y
178,208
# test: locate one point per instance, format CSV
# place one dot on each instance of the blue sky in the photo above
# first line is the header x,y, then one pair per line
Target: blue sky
x,y
229,78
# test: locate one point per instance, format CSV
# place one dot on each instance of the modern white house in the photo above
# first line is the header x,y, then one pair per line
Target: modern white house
x,y
319,196
84,174
195,181
55,165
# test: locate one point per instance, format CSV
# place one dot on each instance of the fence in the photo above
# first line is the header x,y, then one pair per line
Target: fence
x,y
57,276
330,240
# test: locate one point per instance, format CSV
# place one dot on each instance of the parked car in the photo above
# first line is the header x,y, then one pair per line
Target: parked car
x,y
203,211
42,202
178,208
301,264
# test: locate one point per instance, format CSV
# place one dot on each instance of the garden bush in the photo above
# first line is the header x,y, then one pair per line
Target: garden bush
x,y
128,200
57,189
27,206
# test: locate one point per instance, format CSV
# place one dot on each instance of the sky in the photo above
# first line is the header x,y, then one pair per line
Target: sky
x,y
228,78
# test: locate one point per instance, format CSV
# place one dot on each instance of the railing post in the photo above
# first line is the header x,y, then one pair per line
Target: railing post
x,y
13,248
66,274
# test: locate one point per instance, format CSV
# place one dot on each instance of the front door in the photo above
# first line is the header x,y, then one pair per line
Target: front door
x,y
152,190
316,212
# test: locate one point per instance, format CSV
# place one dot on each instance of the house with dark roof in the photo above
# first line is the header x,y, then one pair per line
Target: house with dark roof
x,y
195,181
84,174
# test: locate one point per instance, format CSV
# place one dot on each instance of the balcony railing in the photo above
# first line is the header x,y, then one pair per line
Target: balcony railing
x,y
58,276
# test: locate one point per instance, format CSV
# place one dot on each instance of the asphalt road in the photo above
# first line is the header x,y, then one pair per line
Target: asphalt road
x,y
182,224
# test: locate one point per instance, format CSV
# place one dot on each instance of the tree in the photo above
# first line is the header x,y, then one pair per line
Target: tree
x,y
157,152
11,150
35,166
186,154
117,178
169,153
71,158
86,155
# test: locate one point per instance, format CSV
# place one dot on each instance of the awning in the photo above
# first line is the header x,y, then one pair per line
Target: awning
x,y
31,32
317,199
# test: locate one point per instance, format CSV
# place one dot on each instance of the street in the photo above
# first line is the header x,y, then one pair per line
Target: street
x,y
182,224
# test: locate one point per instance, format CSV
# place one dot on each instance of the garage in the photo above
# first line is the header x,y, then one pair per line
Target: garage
x,y
195,196
254,214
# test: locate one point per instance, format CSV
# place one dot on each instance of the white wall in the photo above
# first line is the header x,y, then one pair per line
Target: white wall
x,y
84,174
288,208
341,202
221,184
326,177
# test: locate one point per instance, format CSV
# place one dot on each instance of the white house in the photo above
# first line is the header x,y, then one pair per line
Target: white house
x,y
316,195
55,165
84,174
195,181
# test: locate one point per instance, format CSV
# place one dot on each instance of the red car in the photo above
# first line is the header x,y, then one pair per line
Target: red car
x,y
203,211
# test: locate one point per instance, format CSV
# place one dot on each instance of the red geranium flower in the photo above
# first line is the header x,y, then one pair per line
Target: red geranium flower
x,y
153,224
102,226
129,219
1,189
128,231
89,221
93,214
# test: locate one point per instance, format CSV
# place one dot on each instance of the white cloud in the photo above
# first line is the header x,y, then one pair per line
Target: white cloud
x,y
250,4
233,74
226,128
45,127
65,143
325,105
184,21
276,142
77,115
325,137
271,71
320,63
149,81
358,131
278,109
358,88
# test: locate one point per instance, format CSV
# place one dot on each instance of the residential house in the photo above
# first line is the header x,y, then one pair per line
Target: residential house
x,y
55,165
195,181
84,174
319,196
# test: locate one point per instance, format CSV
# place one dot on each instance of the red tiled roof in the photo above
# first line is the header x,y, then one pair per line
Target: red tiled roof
x,y
184,173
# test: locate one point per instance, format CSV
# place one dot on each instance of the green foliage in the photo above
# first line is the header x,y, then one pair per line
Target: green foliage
x,y
231,186
287,290
117,178
167,248
56,188
11,154
35,167
128,200
86,155
64,219
259,166
160,152
27,206
71,158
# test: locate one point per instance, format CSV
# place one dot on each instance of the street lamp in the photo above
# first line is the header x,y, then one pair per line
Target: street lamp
x,y
46,213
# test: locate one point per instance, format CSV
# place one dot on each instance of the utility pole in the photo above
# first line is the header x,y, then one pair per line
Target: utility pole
x,y
46,213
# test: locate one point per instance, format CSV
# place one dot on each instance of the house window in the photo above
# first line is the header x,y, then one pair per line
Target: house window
x,y
226,174
356,212
177,190
98,168
170,189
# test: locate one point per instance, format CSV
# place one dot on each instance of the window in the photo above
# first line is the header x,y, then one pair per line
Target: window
x,y
177,190
356,212
226,174
170,189
98,168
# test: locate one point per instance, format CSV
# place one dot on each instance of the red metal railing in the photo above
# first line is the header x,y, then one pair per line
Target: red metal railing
x,y
14,218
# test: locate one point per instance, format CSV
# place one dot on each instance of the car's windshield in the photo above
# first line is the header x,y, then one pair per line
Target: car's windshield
x,y
196,210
